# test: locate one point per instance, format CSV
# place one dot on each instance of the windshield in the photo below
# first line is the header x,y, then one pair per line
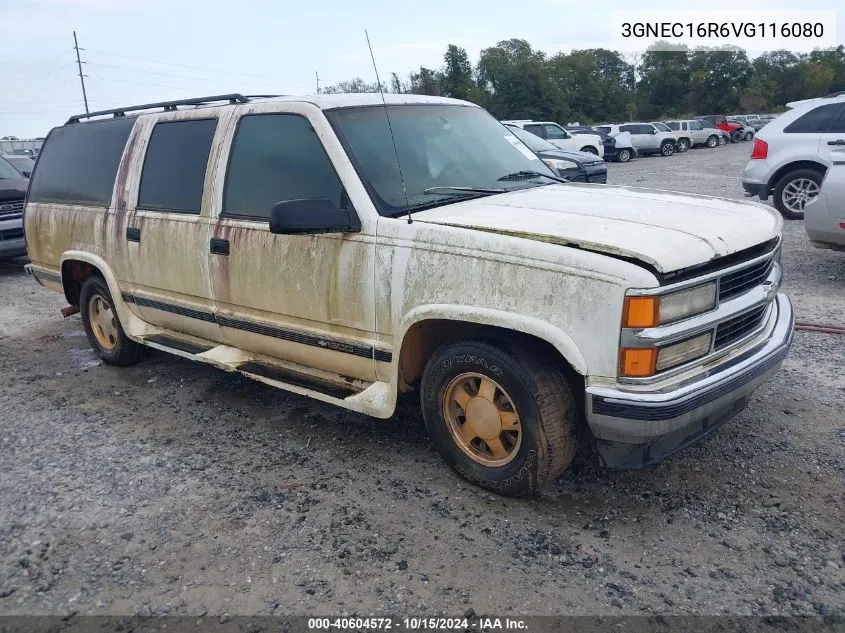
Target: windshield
x,y
21,163
534,142
7,171
453,149
661,127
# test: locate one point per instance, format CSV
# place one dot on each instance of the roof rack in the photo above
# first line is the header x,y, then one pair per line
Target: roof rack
x,y
169,106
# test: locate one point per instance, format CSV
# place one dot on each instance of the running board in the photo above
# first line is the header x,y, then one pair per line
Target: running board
x,y
349,393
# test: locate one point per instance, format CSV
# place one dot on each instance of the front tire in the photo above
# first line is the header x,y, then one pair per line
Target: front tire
x,y
736,136
590,150
502,416
794,190
667,148
749,136
683,145
623,155
723,140
712,141
105,333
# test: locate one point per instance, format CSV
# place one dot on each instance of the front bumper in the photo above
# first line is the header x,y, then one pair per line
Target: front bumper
x,y
633,430
596,173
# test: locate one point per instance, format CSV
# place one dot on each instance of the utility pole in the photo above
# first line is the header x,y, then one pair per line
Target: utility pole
x,y
81,76
317,75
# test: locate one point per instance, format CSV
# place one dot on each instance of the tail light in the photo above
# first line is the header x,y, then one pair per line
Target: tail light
x,y
760,149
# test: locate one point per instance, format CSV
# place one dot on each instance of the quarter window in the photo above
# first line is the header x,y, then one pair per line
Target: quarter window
x,y
277,157
174,167
78,163
817,120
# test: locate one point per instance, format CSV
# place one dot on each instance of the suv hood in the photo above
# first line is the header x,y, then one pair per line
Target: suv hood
x,y
13,188
668,231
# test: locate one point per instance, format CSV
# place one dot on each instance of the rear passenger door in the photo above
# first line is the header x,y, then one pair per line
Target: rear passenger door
x,y
167,225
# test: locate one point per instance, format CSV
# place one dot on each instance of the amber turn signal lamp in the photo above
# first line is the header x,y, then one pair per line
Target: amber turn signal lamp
x,y
641,312
638,362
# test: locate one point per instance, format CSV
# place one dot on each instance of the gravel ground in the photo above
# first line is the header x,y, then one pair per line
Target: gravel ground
x,y
174,488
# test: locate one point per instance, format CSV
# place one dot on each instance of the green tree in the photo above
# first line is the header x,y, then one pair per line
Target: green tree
x,y
457,76
517,83
664,82
426,82
352,85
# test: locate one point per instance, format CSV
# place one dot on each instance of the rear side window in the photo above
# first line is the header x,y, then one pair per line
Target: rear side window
x,y
817,120
78,163
604,129
628,128
274,158
674,125
537,130
175,164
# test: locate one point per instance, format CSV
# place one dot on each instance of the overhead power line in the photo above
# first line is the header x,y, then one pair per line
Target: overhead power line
x,y
210,70
35,65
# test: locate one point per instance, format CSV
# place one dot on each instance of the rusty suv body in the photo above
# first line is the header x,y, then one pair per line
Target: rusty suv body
x,y
351,250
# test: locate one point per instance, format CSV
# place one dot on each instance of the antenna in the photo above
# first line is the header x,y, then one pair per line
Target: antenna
x,y
389,127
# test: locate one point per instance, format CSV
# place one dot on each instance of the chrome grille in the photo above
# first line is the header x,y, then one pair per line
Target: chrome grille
x,y
744,279
11,207
738,327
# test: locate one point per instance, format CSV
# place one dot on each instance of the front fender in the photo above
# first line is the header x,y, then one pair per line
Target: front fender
x,y
506,320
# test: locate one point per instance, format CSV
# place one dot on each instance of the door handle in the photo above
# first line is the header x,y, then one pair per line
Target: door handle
x,y
839,141
219,246
133,234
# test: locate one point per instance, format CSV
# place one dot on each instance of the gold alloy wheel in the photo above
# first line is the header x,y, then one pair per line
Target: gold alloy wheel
x,y
103,322
482,419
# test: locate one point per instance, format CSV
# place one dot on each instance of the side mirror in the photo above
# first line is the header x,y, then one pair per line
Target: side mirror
x,y
311,215
26,173
653,131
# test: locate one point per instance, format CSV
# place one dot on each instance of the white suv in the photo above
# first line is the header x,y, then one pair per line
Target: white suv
x,y
646,138
559,137
690,133
792,153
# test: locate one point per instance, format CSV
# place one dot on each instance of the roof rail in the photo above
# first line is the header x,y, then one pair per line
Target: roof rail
x,y
168,106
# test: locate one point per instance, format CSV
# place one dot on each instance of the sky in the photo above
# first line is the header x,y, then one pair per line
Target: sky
x,y
138,51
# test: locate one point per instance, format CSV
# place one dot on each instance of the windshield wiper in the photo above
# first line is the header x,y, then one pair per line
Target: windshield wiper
x,y
465,193
461,190
526,174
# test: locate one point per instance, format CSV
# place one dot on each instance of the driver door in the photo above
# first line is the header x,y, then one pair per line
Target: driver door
x,y
306,298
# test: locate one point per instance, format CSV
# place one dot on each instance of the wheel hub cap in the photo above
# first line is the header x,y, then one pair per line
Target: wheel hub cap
x,y
103,322
482,419
483,416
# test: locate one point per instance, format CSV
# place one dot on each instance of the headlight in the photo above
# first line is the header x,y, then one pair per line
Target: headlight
x,y
557,163
650,311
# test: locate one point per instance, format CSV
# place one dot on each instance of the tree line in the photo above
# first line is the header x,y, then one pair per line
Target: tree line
x,y
515,81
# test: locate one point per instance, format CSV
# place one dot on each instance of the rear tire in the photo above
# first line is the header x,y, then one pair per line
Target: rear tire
x,y
516,398
623,155
736,136
794,190
105,333
722,140
683,145
667,148
712,141
749,136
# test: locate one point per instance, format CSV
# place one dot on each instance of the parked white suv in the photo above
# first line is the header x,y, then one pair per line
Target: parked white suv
x,y
315,245
560,137
792,153
646,138
690,133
